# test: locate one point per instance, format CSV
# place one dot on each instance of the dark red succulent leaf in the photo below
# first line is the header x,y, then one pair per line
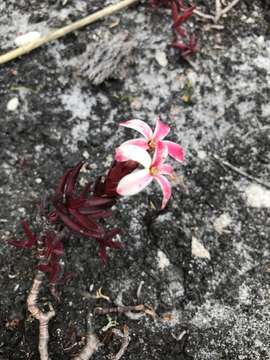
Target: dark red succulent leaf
x,y
52,245
51,254
60,190
72,178
101,214
70,223
88,222
30,241
80,213
178,19
53,217
118,170
107,241
52,268
67,206
74,202
187,49
180,12
97,202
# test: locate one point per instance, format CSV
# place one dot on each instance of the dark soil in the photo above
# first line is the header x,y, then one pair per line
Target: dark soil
x,y
218,300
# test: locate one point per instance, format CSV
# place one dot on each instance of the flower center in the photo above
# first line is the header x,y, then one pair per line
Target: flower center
x,y
152,144
154,170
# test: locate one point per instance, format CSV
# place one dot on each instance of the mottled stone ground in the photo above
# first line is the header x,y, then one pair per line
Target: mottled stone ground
x,y
205,259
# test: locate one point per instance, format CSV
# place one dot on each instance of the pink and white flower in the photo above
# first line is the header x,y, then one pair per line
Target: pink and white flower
x,y
152,139
153,170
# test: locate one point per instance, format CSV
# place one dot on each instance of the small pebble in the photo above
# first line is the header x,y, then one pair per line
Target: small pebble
x,y
198,250
161,58
13,104
202,154
86,154
136,104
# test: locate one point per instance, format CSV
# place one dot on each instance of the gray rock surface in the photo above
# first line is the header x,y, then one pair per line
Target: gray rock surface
x,y
218,304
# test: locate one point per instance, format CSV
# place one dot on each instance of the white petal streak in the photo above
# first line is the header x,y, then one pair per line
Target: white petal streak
x,y
166,189
137,142
134,183
139,126
135,153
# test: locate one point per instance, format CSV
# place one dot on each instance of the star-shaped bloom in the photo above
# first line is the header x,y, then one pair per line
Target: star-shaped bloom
x,y
153,170
152,139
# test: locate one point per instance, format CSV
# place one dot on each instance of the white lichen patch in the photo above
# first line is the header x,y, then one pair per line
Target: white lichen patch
x,y
257,196
210,313
78,103
198,250
26,38
79,132
222,222
266,110
244,294
201,154
162,260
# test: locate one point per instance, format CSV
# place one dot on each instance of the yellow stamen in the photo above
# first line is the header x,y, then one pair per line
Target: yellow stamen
x,y
152,144
154,171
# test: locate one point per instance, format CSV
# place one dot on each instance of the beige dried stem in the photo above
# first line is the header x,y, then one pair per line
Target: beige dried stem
x,y
42,317
219,11
92,342
13,54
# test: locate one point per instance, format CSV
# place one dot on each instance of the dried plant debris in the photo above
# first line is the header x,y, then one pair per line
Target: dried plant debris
x,y
109,59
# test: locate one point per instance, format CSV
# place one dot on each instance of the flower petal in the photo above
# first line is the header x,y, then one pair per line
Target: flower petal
x,y
175,150
137,142
135,153
166,189
139,126
134,183
166,169
161,130
160,154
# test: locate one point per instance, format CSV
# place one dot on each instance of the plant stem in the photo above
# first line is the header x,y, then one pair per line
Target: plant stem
x,y
13,54
92,342
125,341
43,318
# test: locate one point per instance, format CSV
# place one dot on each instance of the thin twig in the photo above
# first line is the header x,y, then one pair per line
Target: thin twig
x,y
219,12
127,310
192,64
241,172
92,342
119,309
125,341
229,7
13,54
133,316
139,290
43,318
203,15
260,129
